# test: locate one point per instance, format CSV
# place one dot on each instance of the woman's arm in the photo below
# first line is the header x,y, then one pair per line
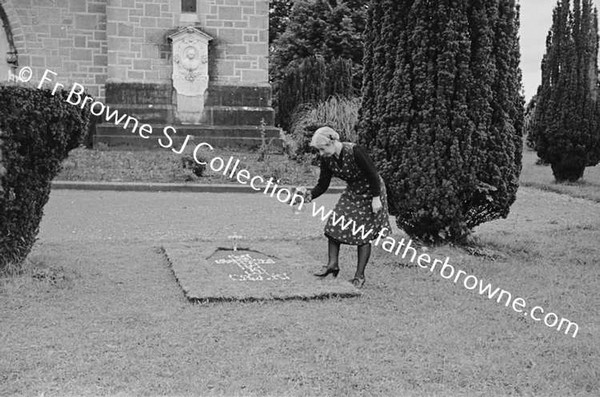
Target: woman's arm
x,y
366,165
364,162
323,183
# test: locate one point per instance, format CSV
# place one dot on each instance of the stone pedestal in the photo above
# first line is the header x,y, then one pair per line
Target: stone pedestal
x,y
190,73
231,117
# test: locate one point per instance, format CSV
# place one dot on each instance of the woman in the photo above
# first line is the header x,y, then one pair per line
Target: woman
x,y
364,201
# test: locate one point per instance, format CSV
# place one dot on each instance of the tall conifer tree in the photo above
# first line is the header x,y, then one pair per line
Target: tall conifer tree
x,y
442,114
565,123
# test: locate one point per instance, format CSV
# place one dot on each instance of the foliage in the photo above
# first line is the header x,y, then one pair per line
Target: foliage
x,y
528,122
2,169
310,81
39,130
329,28
188,162
341,114
279,16
443,118
266,146
566,120
327,32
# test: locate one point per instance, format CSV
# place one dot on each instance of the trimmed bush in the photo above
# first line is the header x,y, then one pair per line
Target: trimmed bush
x,y
442,115
565,124
39,129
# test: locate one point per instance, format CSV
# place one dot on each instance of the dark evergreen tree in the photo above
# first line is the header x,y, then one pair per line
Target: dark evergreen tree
x,y
565,123
442,112
279,16
527,130
326,29
310,81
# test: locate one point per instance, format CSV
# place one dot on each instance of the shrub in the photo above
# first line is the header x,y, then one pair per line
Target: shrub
x,y
442,115
310,81
341,114
188,162
39,131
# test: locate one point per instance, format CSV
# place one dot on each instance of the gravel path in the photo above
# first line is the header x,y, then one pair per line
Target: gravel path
x,y
86,216
83,216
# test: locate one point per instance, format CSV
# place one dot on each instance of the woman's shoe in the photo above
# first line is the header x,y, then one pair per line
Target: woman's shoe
x,y
326,270
358,282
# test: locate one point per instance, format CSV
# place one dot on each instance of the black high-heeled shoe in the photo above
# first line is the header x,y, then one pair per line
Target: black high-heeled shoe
x,y
325,270
358,282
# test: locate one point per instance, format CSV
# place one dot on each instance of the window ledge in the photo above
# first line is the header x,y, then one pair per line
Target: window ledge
x,y
187,17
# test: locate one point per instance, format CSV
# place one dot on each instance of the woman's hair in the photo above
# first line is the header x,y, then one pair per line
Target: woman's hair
x,y
323,136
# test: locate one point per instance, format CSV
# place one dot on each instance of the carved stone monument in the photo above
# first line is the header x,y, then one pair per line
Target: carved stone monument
x,y
190,73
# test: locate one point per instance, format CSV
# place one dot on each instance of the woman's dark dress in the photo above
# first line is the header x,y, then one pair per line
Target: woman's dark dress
x,y
363,183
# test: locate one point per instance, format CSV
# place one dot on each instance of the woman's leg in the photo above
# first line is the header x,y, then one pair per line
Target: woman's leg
x,y
364,252
334,254
332,264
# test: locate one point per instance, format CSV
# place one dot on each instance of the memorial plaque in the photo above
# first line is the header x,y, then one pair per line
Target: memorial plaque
x,y
190,72
251,271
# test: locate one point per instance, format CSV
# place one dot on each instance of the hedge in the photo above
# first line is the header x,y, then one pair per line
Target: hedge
x,y
39,130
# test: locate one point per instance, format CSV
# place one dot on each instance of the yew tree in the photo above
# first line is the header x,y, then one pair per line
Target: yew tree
x,y
442,112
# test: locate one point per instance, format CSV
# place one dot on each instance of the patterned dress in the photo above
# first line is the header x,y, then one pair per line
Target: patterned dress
x,y
355,204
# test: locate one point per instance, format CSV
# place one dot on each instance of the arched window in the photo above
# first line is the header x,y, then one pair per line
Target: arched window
x,y
8,53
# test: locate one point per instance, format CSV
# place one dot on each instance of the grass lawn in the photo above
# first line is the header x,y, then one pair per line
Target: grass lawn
x,y
109,319
166,166
540,176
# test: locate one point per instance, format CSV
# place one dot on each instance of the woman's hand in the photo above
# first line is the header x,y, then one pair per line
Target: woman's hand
x,y
300,191
376,204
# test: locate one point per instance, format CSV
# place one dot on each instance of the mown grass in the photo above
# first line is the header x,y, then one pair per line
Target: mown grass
x,y
540,176
124,328
165,166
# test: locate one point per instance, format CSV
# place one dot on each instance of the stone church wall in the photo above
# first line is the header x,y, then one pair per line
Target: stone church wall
x,y
66,36
92,42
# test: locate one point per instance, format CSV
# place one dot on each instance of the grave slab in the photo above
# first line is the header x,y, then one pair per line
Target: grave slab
x,y
254,271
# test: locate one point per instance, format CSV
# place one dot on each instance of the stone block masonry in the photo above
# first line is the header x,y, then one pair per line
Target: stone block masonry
x,y
92,42
67,36
137,33
241,32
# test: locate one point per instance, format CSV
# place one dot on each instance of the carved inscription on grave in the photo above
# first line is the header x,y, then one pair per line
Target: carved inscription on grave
x,y
251,268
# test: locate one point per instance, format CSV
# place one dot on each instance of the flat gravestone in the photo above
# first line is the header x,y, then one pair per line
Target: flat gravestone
x,y
255,271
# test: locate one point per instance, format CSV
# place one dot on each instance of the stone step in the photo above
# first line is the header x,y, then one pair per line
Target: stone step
x,y
246,136
239,115
145,113
212,115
